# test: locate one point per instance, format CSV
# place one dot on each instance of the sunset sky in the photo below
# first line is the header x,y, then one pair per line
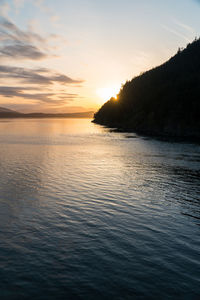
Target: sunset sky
x,y
70,56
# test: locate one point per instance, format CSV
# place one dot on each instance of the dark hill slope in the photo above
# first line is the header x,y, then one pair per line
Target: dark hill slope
x,y
162,101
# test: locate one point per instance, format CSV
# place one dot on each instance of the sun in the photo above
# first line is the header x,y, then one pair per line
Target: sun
x,y
108,92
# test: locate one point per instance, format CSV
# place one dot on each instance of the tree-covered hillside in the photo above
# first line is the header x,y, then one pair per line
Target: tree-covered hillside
x,y
162,101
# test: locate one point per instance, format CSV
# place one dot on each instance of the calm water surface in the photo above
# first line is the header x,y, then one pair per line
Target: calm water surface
x,y
90,214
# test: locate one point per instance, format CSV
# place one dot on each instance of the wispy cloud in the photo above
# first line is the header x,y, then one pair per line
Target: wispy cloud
x,y
18,44
42,86
21,92
20,51
181,30
40,76
177,33
185,27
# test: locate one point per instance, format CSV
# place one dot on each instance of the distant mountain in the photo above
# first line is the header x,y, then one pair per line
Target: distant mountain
x,y
6,110
7,113
162,101
88,114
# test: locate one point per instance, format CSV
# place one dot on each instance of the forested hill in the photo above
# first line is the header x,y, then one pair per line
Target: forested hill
x,y
162,101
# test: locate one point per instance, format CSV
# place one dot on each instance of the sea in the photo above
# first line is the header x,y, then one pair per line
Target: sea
x,y
90,213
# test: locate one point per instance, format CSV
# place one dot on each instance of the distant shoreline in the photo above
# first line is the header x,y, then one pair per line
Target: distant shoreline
x,y
13,115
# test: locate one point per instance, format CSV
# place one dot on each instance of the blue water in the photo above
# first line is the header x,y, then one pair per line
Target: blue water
x,y
86,213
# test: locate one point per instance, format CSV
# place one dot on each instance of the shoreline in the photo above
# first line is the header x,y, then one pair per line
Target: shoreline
x,y
166,136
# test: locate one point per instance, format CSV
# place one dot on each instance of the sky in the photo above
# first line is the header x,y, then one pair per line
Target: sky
x,y
72,56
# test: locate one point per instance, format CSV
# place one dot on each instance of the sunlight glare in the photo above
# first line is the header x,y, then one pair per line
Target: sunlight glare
x,y
108,92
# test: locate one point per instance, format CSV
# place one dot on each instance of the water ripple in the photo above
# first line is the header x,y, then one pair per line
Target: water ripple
x,y
87,213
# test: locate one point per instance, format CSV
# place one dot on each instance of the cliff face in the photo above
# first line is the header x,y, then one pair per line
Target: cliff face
x,y
162,101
